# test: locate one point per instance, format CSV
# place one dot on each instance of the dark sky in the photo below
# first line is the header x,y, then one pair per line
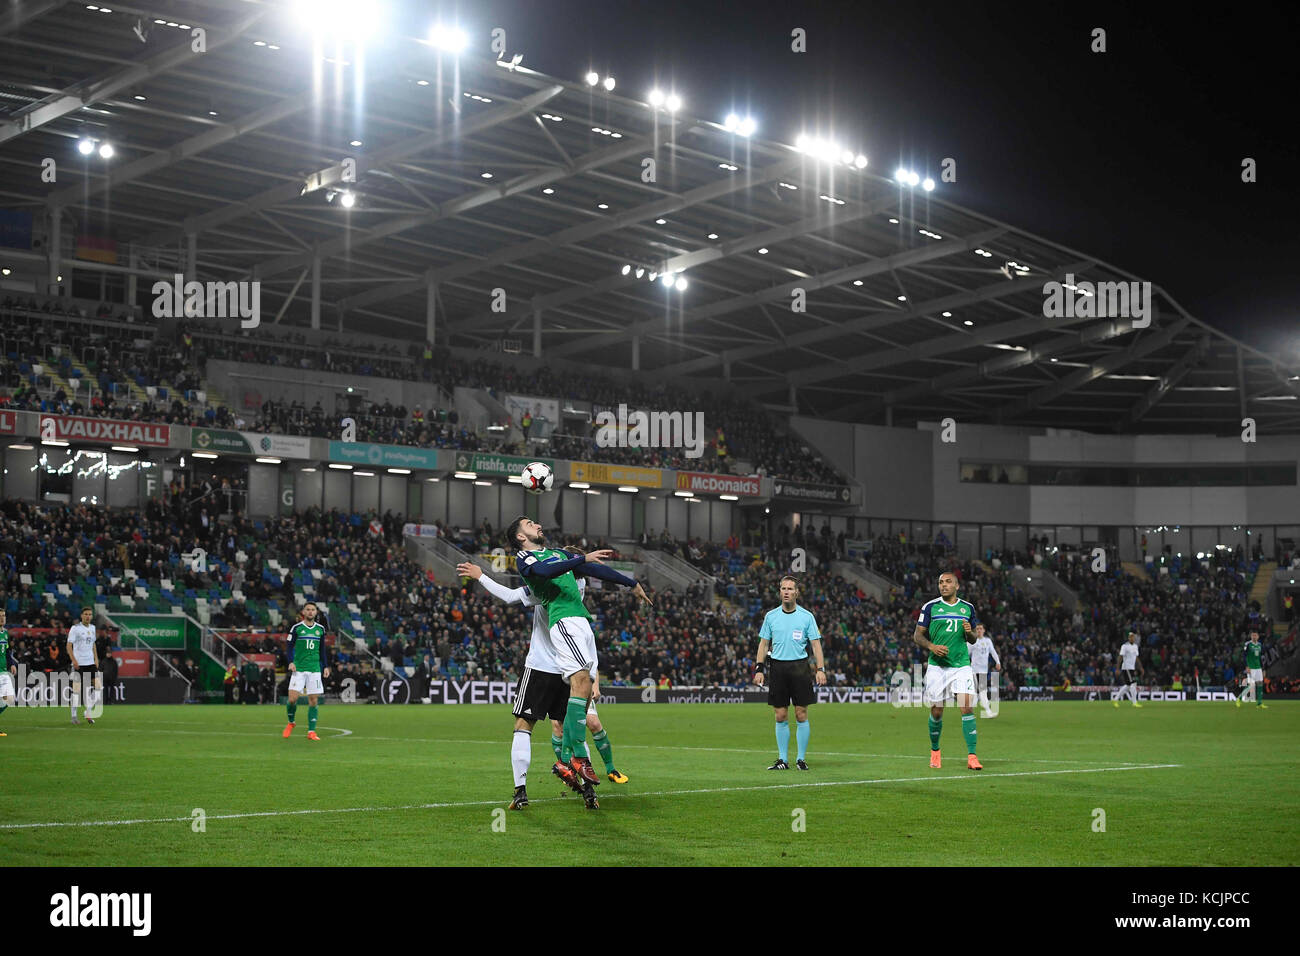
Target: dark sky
x,y
1133,156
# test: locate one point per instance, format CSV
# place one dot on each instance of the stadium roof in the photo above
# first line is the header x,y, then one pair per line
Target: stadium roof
x,y
474,176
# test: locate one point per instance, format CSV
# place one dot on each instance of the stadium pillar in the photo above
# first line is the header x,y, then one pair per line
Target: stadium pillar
x,y
537,333
315,292
52,253
132,280
636,353
430,312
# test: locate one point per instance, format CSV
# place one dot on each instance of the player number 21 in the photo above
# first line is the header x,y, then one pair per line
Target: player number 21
x,y
952,625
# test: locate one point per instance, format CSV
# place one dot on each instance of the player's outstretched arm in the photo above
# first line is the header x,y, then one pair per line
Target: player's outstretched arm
x,y
496,588
529,566
593,570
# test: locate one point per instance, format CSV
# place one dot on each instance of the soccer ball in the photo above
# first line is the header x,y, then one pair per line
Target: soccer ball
x,y
537,477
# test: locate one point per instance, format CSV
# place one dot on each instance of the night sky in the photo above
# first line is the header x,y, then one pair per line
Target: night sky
x,y
1133,156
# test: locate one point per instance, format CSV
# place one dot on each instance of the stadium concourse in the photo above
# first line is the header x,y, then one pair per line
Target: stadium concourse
x,y
700,636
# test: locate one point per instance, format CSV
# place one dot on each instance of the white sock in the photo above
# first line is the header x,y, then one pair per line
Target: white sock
x,y
521,755
76,696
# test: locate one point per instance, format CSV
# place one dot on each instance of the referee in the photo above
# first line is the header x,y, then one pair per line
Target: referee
x,y
787,631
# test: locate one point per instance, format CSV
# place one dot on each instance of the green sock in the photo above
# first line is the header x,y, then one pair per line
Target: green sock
x,y
606,749
1259,693
557,743
311,717
968,731
3,708
293,711
575,727
936,727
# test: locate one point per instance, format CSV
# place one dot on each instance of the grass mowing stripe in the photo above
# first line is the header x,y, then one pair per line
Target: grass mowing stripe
x,y
651,793
495,741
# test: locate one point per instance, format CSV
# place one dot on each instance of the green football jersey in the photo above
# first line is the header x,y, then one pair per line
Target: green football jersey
x,y
560,594
306,642
4,650
945,624
1252,653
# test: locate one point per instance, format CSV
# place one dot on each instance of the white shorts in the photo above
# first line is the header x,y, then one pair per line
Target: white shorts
x,y
1257,675
6,685
943,682
306,682
575,645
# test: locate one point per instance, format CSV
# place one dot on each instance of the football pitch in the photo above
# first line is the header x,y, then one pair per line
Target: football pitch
x,y
1178,783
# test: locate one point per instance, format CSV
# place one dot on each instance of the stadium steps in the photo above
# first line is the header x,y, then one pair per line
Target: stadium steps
x,y
1263,582
1136,570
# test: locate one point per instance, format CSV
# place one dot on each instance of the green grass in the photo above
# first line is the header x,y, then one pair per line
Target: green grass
x,y
871,798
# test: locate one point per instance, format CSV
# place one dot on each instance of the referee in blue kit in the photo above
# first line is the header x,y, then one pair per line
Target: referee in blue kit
x,y
787,631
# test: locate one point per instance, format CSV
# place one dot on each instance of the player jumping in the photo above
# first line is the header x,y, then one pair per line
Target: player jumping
x,y
549,574
947,620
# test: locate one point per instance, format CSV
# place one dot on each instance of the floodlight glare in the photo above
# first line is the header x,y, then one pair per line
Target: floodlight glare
x,y
731,123
674,102
846,157
338,18
609,84
667,279
106,151
680,285
592,79
860,162
626,269
451,39
928,185
640,273
85,147
900,175
348,199
801,143
913,179
747,127
656,97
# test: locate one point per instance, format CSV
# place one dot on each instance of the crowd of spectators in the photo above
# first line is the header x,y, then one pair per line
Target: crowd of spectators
x,y
1191,622
119,355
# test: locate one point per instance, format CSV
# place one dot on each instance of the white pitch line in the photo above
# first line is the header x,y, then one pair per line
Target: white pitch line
x,y
494,741
651,793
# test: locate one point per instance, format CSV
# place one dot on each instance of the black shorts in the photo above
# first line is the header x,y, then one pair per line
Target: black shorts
x,y
90,669
541,694
1130,676
790,681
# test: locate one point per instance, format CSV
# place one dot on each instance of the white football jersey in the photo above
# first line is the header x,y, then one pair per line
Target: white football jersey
x,y
979,655
82,638
1128,654
541,652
